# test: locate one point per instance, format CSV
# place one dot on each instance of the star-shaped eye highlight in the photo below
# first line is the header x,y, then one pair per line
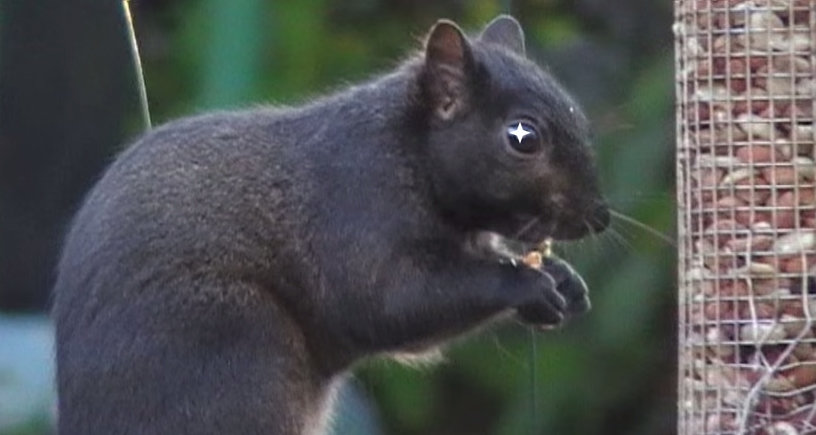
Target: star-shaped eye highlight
x,y
519,132
522,138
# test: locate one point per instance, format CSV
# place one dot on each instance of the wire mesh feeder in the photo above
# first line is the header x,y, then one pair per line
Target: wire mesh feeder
x,y
746,88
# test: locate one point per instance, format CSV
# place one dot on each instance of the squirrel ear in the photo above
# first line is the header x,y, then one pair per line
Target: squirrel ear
x,y
447,61
504,30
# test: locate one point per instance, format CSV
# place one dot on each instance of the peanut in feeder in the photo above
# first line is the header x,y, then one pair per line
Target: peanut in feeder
x,y
746,89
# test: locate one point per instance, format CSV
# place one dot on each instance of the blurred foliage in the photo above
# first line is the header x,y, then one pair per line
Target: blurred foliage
x,y
610,372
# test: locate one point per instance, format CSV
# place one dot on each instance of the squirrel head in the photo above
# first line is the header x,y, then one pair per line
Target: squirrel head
x,y
507,148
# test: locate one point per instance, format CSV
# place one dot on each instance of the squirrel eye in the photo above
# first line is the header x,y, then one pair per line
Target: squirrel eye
x,y
523,138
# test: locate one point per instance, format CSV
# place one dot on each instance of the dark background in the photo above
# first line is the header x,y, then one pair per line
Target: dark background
x,y
68,103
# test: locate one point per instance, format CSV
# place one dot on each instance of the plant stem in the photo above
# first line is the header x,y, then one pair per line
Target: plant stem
x,y
137,65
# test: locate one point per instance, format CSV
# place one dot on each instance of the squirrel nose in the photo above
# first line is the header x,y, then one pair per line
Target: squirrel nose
x,y
599,217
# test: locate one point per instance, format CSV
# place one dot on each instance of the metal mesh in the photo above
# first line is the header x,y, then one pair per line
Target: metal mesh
x,y
746,89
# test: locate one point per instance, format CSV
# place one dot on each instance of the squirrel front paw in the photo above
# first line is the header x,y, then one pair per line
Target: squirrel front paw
x,y
565,295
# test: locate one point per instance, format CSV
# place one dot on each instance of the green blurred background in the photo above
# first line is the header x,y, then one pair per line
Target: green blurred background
x,y
68,102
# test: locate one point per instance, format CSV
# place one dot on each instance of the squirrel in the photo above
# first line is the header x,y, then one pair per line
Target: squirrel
x,y
228,269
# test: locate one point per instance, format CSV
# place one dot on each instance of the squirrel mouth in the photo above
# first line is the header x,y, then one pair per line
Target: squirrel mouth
x,y
534,231
524,240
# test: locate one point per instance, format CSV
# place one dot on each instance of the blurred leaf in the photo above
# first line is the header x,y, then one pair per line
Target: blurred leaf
x,y
479,12
300,46
556,30
405,394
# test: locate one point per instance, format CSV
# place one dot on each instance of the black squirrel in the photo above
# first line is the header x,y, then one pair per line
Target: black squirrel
x,y
228,269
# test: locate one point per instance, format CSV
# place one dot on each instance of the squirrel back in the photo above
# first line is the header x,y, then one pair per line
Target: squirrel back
x,y
228,269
